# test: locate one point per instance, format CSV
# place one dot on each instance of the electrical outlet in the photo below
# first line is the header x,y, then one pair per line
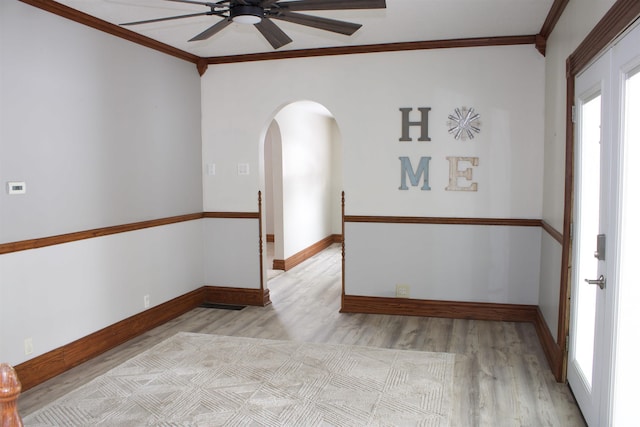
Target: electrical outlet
x,y
146,301
28,346
403,291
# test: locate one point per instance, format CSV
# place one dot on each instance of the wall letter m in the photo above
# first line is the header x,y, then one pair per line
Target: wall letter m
x,y
406,170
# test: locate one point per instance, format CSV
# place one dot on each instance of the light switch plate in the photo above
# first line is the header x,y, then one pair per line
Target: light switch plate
x,y
243,168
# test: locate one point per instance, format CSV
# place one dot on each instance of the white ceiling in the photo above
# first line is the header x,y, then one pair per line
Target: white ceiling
x,y
401,21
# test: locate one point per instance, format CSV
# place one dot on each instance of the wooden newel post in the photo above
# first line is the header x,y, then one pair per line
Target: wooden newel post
x,y
9,391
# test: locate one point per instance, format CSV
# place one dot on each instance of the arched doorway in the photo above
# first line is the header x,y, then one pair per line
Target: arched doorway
x,y
303,183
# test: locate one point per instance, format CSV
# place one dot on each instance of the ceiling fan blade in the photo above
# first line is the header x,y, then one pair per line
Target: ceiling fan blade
x,y
204,3
218,26
327,24
274,35
329,4
169,18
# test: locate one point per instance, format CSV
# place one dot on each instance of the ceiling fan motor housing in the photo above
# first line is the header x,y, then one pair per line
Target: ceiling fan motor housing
x,y
247,13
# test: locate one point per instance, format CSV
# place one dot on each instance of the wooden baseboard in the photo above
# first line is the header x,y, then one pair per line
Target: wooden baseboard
x,y
55,362
305,254
551,349
41,368
464,310
447,309
237,296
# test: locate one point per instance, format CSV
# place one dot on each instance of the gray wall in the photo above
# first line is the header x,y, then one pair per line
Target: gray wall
x,y
104,132
364,94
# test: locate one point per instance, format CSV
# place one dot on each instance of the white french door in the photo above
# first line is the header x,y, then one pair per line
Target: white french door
x,y
625,372
590,224
605,325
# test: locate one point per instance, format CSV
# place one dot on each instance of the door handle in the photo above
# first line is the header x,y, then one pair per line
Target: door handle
x,y
600,281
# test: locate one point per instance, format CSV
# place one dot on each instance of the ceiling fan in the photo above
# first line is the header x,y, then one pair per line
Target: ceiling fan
x,y
261,12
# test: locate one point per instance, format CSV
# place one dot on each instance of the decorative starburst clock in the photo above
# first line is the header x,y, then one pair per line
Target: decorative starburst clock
x,y
464,123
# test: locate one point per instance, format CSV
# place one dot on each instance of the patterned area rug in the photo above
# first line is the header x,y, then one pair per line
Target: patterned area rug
x,y
209,380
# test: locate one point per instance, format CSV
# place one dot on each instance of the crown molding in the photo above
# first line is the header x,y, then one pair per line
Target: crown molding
x,y
374,48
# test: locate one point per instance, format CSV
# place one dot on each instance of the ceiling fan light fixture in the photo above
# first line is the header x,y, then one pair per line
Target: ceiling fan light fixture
x,y
247,14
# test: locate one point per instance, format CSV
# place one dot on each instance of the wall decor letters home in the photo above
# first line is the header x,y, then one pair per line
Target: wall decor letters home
x,y
455,173
463,124
406,170
423,123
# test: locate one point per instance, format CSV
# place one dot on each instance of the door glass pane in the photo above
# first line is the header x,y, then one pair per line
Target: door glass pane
x,y
588,216
628,346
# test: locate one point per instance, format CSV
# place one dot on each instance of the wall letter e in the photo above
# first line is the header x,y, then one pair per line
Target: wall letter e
x,y
455,173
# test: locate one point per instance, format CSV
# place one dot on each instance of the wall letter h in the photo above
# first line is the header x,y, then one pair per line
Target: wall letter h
x,y
423,123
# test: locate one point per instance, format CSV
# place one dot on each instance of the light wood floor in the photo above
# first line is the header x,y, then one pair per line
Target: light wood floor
x,y
501,375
